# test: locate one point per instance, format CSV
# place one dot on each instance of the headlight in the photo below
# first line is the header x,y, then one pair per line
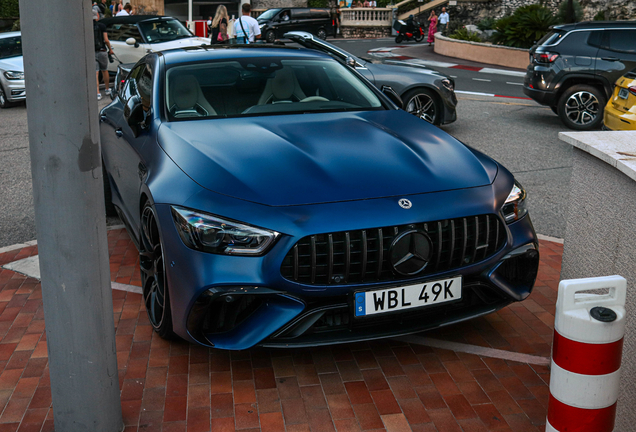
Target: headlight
x,y
14,75
449,84
209,233
515,206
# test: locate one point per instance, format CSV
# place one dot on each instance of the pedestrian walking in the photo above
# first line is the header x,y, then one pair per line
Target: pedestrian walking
x,y
101,52
246,28
218,26
443,21
432,27
335,18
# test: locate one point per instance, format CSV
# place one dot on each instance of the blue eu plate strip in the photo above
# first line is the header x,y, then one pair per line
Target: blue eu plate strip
x,y
360,305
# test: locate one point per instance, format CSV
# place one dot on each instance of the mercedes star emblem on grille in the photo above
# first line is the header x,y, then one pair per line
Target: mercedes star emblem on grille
x,y
404,203
410,252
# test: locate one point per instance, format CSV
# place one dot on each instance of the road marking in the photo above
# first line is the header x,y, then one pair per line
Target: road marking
x,y
514,83
475,93
477,350
481,79
502,72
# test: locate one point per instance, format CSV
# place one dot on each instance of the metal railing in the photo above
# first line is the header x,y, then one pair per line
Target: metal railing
x,y
366,17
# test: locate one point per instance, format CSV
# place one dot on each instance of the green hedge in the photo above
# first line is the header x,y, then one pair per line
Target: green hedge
x,y
9,9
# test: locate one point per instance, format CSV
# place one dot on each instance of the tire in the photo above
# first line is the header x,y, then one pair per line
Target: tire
x,y
424,104
581,107
270,36
4,103
153,274
322,34
399,39
420,38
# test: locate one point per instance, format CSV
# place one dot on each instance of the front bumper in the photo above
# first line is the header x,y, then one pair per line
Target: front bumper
x,y
234,302
14,90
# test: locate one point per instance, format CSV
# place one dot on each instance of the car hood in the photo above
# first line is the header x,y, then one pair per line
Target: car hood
x,y
179,43
319,158
12,64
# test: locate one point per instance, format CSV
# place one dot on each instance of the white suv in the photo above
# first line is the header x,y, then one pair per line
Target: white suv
x,y
11,69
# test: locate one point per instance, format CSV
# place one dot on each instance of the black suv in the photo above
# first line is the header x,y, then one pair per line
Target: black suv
x,y
573,69
275,23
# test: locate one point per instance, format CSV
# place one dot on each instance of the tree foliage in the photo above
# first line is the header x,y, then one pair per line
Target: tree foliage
x,y
9,9
563,10
524,27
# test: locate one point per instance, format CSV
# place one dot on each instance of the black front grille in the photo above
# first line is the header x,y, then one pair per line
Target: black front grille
x,y
353,257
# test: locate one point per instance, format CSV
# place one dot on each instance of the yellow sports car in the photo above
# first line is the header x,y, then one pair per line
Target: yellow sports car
x,y
620,111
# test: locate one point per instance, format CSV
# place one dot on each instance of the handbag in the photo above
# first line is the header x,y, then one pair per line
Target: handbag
x,y
220,38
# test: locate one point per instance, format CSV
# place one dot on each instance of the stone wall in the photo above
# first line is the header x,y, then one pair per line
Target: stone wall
x,y
365,32
473,12
269,4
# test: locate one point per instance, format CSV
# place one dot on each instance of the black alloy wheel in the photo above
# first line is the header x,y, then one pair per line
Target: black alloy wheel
x,y
322,34
270,36
419,38
423,104
4,103
153,274
581,107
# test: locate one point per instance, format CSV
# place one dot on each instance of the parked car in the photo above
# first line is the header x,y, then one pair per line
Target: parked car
x,y
276,22
278,198
132,37
620,111
12,88
425,92
572,69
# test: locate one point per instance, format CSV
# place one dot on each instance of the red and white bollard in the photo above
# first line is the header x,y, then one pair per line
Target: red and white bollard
x,y
586,355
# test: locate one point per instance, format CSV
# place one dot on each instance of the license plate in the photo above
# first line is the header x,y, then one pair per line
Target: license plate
x,y
623,93
407,297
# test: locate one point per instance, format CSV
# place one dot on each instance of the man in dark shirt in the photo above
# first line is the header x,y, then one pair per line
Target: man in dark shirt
x,y
101,53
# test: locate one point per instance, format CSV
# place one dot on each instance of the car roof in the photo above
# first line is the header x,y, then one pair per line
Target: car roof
x,y
132,19
10,34
216,52
596,25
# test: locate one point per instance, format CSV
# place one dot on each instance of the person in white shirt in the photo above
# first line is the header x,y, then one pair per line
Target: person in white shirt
x,y
443,20
125,11
246,28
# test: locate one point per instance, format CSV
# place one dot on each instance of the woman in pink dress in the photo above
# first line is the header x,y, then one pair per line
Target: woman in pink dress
x,y
432,27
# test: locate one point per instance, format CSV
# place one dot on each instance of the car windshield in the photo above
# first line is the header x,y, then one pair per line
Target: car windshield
x,y
10,47
268,14
264,86
163,30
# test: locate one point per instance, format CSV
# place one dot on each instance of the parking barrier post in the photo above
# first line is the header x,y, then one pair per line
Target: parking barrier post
x,y
586,355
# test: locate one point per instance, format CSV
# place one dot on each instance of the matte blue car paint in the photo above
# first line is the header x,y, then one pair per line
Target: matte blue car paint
x,y
409,158
470,184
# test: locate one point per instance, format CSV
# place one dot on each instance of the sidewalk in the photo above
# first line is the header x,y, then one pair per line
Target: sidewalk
x,y
486,374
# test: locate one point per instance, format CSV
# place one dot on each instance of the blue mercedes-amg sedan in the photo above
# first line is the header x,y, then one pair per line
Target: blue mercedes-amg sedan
x,y
278,198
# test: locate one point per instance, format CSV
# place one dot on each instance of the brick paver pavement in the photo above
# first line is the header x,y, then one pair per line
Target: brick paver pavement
x,y
380,385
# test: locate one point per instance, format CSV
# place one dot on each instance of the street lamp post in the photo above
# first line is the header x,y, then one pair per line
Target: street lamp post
x,y
59,63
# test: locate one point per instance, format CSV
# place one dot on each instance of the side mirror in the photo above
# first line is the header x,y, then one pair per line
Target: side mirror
x,y
391,94
132,41
351,62
135,115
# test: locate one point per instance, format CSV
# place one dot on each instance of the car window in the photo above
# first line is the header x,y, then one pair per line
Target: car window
x,y
163,30
10,47
131,87
552,37
320,13
144,86
621,40
595,38
264,86
268,14
121,32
